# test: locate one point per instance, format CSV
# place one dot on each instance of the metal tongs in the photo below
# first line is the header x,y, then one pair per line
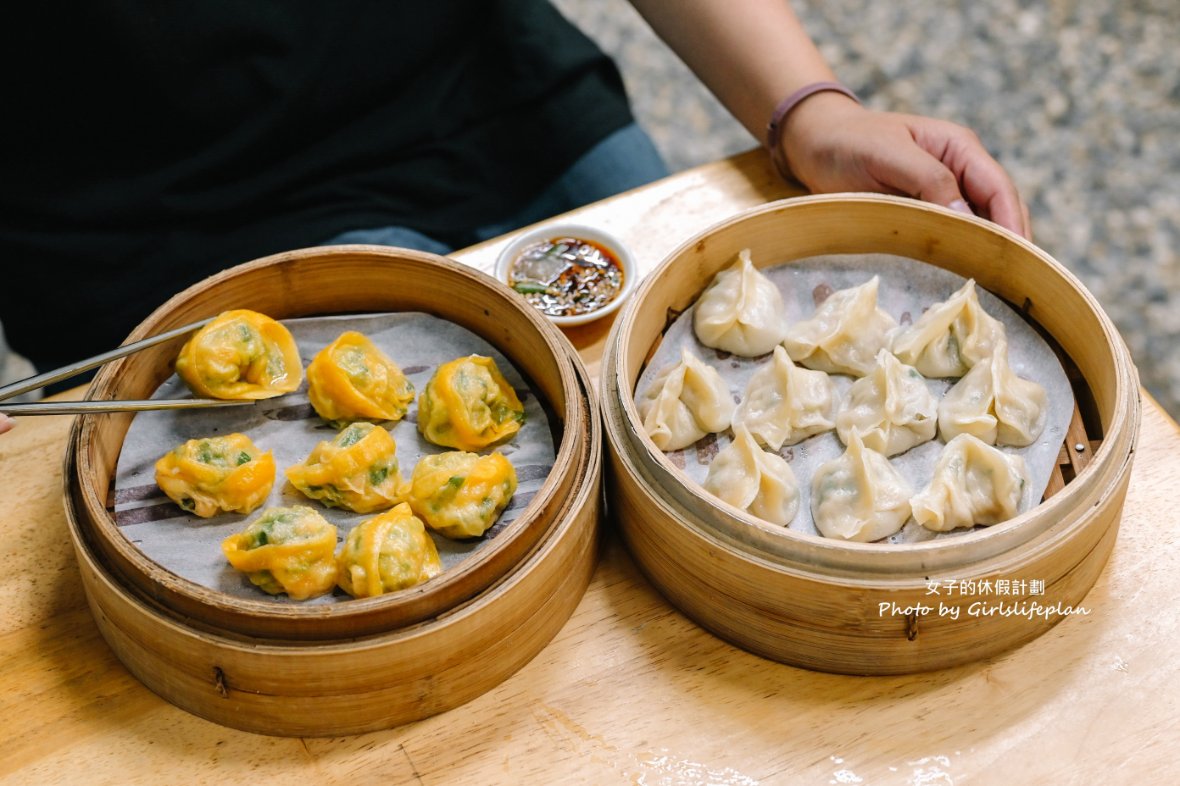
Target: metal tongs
x,y
89,407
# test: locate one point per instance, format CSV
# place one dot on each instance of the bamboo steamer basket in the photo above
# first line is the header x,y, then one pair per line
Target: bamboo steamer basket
x,y
321,281
814,602
362,664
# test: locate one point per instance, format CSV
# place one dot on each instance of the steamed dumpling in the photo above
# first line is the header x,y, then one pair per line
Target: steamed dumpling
x,y
741,311
468,405
386,553
351,379
291,550
859,495
890,408
209,476
460,495
844,335
973,483
994,404
749,478
356,470
950,338
685,402
241,355
785,404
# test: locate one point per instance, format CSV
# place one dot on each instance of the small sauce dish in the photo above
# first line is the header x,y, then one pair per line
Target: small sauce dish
x,y
572,273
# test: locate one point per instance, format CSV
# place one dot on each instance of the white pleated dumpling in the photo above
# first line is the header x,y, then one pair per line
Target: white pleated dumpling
x,y
992,403
859,495
950,338
890,408
973,483
844,335
685,401
785,404
749,478
741,311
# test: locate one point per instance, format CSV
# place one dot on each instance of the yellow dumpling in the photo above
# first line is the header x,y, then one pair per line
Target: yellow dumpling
x,y
208,476
241,355
357,470
291,550
460,495
351,379
469,405
388,552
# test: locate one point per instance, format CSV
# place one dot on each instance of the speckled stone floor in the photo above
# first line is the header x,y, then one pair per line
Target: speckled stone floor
x,y
1080,101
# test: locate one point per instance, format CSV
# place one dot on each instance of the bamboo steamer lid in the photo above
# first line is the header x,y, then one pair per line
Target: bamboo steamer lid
x,y
361,664
869,608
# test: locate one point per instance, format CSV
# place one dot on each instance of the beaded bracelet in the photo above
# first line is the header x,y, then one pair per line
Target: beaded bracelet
x,y
773,128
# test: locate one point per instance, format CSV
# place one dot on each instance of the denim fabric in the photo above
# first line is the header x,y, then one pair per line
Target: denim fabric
x,y
402,237
624,160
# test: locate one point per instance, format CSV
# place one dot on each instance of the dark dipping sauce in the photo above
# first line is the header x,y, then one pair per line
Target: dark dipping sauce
x,y
567,276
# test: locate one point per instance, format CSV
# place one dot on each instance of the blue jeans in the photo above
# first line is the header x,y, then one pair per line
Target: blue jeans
x,y
624,160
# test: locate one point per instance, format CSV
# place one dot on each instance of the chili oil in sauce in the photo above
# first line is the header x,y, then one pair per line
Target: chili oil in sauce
x,y
567,276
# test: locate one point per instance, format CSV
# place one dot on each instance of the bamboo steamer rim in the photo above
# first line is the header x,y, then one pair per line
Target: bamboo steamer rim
x,y
543,348
882,224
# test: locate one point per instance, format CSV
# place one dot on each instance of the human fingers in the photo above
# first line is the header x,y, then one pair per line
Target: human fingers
x,y
983,181
841,146
897,165
6,423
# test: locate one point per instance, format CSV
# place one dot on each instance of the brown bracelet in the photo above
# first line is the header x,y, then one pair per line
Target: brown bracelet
x,y
784,108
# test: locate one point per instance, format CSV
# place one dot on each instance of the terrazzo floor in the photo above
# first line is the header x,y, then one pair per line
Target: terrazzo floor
x,y
1080,101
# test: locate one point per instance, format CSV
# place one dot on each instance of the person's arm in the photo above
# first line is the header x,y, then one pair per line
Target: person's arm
x,y
753,53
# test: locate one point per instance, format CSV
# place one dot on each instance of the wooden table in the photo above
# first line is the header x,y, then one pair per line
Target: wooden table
x,y
630,691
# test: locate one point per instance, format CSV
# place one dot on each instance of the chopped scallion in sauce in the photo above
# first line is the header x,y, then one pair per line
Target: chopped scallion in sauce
x,y
567,276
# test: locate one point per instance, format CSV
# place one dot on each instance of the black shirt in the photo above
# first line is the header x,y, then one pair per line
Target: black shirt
x,y
152,144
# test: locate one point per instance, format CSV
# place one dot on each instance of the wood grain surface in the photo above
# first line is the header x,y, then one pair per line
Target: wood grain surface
x,y
629,691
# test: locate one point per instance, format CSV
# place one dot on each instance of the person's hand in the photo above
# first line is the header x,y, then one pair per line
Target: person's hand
x,y
831,144
6,423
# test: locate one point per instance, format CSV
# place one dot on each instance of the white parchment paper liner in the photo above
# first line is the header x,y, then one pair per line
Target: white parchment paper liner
x,y
907,288
190,546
